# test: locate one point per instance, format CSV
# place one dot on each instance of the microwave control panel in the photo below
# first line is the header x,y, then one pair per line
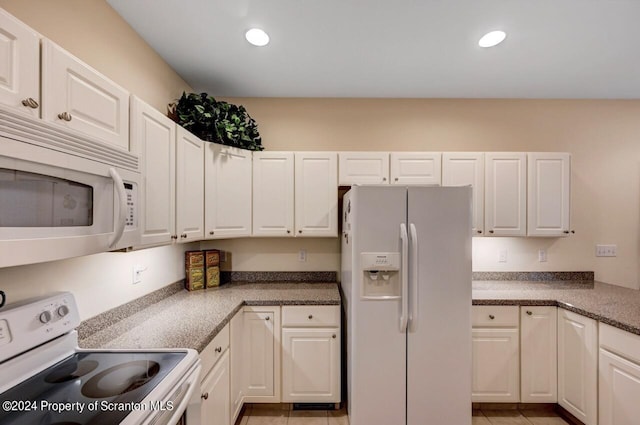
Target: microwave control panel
x,y
132,201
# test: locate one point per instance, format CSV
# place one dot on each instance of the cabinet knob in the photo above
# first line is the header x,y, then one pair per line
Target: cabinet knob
x,y
310,316
218,350
204,396
333,336
396,179
529,312
174,236
566,232
573,232
384,179
478,231
490,231
491,316
267,318
211,232
65,116
288,231
299,231
183,236
30,102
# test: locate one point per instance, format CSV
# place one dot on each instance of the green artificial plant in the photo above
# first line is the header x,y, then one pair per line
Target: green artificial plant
x,y
216,121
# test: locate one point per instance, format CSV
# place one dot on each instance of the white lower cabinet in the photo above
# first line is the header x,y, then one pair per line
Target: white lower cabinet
x,y
311,354
538,354
619,377
578,366
496,366
237,366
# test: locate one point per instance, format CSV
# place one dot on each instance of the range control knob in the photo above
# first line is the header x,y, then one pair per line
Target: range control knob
x,y
63,310
45,317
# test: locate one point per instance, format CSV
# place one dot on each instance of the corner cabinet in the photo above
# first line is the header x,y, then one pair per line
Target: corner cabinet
x,y
316,194
538,358
78,97
505,194
153,138
189,186
578,366
416,168
548,194
311,354
20,74
227,191
273,194
467,169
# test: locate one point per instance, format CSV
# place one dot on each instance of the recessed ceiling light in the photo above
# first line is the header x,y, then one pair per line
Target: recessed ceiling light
x,y
492,38
257,37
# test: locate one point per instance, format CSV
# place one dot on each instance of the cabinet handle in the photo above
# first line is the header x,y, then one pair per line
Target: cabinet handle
x,y
31,103
183,236
218,350
204,396
490,231
267,318
479,231
65,116
333,336
310,316
566,232
174,236
491,316
529,312
384,179
396,179
211,232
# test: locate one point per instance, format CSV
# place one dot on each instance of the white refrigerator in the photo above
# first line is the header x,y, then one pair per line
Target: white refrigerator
x,y
406,283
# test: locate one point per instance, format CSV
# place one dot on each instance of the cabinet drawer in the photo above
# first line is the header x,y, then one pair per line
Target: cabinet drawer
x,y
495,316
214,350
307,316
620,342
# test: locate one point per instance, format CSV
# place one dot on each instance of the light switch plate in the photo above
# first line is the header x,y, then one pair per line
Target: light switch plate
x,y
606,250
542,255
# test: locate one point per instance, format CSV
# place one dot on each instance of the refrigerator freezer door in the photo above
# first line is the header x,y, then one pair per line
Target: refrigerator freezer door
x,y
439,345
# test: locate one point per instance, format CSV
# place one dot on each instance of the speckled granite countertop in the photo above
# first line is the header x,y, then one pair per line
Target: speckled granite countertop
x,y
192,319
614,305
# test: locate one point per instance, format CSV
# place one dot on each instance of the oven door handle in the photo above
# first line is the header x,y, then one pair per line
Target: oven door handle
x,y
122,210
193,383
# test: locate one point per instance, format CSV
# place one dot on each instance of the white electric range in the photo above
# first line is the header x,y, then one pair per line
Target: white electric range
x,y
48,380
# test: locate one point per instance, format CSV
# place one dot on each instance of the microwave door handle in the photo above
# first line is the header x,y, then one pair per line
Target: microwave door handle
x,y
122,211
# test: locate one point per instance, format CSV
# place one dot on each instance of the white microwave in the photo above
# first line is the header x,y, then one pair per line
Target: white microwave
x,y
63,195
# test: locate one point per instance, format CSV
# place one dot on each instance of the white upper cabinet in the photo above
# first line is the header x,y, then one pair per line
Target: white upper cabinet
x,y
20,65
78,97
153,139
416,168
548,200
363,168
273,189
505,194
227,191
189,187
464,169
316,194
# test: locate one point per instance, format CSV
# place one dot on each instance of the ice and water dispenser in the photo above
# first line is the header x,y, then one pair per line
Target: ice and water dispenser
x,y
380,275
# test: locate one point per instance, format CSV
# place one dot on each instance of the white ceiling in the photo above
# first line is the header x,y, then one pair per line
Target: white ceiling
x,y
397,48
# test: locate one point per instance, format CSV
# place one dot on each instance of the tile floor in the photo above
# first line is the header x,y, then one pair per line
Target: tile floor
x,y
271,416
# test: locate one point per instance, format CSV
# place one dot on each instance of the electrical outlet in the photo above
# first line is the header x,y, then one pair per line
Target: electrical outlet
x,y
606,250
502,256
137,273
302,255
542,255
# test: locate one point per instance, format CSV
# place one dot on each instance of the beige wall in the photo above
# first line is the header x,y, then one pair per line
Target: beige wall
x,y
95,33
91,30
602,136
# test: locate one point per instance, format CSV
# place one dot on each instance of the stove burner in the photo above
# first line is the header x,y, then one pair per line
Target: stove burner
x,y
70,371
120,379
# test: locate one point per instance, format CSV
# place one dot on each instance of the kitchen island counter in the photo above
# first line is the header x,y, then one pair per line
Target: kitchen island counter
x,y
192,319
610,304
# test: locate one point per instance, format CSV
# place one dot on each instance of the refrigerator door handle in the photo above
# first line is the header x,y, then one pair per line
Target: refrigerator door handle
x,y
404,272
413,311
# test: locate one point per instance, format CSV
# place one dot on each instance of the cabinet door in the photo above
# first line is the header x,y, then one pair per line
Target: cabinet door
x,y
416,167
505,194
316,194
153,139
272,194
578,366
619,390
236,343
548,182
310,365
496,368
214,409
227,191
464,169
189,186
539,357
78,97
363,168
262,354
20,66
